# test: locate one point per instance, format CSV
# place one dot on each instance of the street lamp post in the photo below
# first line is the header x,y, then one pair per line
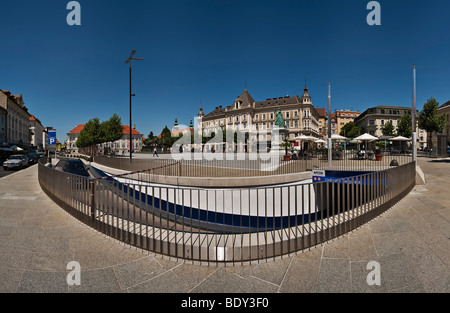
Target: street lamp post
x,y
131,95
330,156
414,134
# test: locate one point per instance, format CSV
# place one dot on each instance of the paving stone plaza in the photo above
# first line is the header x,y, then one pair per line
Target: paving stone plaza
x,y
410,242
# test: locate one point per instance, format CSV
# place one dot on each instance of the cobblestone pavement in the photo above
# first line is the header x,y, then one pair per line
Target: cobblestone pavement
x,y
410,241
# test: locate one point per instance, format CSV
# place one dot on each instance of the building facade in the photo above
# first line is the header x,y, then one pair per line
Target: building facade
x,y
17,119
258,117
37,133
343,117
323,118
444,109
373,119
120,146
3,116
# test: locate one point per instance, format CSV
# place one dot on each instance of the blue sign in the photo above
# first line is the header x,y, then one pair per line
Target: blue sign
x,y
52,138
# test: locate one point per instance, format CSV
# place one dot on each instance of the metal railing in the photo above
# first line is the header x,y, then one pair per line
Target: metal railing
x,y
233,225
354,160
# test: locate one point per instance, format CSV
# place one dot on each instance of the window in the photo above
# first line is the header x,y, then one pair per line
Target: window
x,y
263,117
287,114
296,125
256,117
296,115
382,122
271,116
371,122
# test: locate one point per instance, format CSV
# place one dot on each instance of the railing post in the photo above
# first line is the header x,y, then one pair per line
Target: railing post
x,y
92,197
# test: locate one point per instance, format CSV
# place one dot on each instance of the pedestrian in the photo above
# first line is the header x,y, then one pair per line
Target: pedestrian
x,y
155,153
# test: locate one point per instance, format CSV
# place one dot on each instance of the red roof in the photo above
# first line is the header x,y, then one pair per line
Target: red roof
x,y
77,129
321,112
126,130
32,118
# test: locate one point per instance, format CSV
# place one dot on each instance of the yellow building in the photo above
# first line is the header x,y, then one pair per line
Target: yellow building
x,y
344,117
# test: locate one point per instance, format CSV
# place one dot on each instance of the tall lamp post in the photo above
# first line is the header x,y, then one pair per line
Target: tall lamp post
x,y
414,134
330,156
131,95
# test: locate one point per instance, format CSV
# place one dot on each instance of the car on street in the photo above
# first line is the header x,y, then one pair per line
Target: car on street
x,y
31,159
72,166
17,161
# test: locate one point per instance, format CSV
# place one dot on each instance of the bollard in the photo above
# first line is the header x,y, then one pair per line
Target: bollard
x,y
394,163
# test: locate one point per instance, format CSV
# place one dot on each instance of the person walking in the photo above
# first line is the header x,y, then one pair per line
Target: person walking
x,y
155,152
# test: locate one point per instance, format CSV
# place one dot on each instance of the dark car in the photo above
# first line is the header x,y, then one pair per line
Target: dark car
x,y
31,159
73,166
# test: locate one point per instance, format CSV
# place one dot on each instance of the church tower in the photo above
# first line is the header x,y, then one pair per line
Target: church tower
x,y
306,98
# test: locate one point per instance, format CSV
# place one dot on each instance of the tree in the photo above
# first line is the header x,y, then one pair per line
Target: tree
x,y
286,145
388,129
166,137
350,130
151,139
430,121
404,126
91,135
112,129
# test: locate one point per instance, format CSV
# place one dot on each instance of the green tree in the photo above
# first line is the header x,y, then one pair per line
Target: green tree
x,y
350,130
91,135
286,145
404,126
112,128
430,121
166,137
388,129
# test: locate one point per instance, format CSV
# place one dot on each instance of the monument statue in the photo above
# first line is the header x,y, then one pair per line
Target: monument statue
x,y
279,121
279,133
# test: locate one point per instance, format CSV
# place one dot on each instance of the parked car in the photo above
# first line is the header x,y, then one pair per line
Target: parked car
x,y
17,161
73,166
31,159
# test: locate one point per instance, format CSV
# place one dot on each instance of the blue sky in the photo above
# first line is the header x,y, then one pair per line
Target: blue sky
x,y
205,51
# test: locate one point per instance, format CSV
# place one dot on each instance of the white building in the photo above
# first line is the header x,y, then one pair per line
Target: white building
x,y
38,133
120,146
